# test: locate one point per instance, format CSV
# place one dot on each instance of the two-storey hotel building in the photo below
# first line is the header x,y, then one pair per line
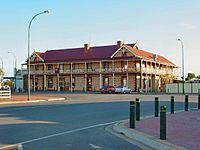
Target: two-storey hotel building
x,y
89,68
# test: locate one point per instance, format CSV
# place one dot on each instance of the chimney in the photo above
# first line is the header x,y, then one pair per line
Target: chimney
x,y
155,57
86,47
119,44
135,45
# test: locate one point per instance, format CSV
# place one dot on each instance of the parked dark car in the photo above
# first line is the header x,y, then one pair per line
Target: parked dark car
x,y
107,89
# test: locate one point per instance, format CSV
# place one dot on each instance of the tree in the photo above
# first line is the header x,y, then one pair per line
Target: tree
x,y
198,76
167,78
1,75
8,83
1,72
190,76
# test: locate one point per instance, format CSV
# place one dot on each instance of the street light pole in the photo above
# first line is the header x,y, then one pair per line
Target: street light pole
x,y
15,69
183,76
1,63
28,67
1,68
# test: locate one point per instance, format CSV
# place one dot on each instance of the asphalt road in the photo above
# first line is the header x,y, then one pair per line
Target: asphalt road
x,y
62,126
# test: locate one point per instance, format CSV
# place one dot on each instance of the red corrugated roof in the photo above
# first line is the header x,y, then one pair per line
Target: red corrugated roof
x,y
100,52
96,53
148,55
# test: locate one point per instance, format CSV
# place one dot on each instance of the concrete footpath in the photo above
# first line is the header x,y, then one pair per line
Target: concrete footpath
x,y
183,131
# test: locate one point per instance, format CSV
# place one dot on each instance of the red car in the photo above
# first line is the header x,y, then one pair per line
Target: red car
x,y
107,89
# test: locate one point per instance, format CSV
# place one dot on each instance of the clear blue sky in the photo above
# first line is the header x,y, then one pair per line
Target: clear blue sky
x,y
155,24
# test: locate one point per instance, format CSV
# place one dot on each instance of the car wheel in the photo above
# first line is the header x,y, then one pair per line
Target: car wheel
x,y
109,92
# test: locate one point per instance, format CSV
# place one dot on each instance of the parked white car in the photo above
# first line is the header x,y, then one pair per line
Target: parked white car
x,y
122,89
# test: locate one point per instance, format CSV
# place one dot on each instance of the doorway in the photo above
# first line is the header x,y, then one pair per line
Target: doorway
x,y
89,83
62,84
124,81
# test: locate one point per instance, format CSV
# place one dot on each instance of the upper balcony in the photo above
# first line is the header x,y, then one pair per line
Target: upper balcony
x,y
40,72
159,71
106,70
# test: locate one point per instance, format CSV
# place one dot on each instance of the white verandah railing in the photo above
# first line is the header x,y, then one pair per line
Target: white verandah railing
x,y
5,94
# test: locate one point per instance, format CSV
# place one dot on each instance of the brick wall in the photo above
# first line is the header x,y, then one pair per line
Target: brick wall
x,y
96,83
132,82
67,83
66,66
55,83
95,65
110,80
40,67
118,64
79,83
117,80
131,64
80,66
40,83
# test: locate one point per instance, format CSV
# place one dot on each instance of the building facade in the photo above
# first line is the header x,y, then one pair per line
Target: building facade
x,y
89,68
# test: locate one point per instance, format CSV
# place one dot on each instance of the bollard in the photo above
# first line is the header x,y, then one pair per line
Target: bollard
x,y
156,106
199,99
137,109
172,104
132,115
186,102
94,89
163,122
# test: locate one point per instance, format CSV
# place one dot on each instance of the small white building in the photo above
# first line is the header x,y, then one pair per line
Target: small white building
x,y
194,80
19,81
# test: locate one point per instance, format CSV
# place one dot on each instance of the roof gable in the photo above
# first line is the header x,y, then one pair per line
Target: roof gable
x,y
36,57
123,51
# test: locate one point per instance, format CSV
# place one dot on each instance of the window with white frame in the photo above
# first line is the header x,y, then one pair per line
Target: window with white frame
x,y
105,81
50,82
61,66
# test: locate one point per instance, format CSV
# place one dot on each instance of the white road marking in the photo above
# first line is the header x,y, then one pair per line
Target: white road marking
x,y
61,133
70,131
19,146
94,146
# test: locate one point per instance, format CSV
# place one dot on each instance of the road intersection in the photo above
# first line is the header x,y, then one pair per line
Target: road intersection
x,y
60,125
